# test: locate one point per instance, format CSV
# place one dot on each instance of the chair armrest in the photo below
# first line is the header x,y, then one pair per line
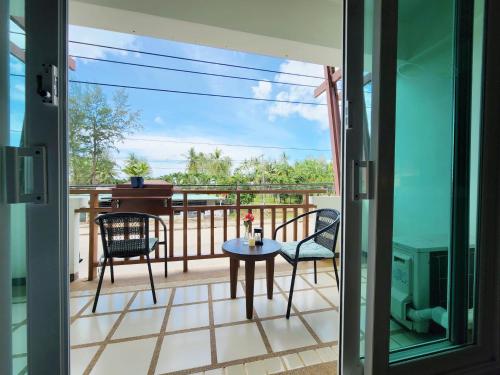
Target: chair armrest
x,y
314,235
294,219
163,225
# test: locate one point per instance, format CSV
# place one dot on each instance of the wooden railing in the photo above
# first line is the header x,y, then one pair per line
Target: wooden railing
x,y
279,212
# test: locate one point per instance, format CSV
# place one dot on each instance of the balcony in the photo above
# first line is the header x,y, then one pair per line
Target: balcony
x,y
196,327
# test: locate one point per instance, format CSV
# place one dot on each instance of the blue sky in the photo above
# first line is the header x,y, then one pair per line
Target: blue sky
x,y
189,120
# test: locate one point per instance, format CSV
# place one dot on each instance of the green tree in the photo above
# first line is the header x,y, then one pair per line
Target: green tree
x,y
96,127
136,166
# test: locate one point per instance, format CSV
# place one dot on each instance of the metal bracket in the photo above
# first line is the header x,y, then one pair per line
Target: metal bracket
x,y
47,84
26,174
362,183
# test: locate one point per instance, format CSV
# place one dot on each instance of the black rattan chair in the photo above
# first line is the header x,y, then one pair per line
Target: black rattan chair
x,y
126,235
319,245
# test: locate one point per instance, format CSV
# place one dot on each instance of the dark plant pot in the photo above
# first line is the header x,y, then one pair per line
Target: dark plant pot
x,y
137,182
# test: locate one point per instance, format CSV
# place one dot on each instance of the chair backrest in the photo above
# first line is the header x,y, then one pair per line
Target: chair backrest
x,y
124,233
325,217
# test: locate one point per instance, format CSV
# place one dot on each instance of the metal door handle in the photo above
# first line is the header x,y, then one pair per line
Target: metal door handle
x,y
362,190
26,174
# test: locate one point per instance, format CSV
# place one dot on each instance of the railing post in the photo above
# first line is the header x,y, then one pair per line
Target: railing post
x,y
225,224
306,218
93,234
284,221
212,230
198,232
184,232
171,229
238,204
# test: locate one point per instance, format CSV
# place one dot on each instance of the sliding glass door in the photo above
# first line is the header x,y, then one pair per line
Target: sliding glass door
x,y
33,295
412,166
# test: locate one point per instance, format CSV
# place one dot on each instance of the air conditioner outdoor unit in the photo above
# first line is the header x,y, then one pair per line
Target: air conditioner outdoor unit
x,y
419,278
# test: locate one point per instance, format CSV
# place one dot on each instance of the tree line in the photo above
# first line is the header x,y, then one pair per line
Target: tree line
x,y
98,125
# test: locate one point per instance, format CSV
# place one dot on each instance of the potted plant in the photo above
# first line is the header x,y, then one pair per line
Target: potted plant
x,y
136,168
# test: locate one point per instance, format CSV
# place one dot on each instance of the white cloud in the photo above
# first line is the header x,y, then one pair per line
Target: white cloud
x,y
262,90
158,120
317,113
102,37
164,153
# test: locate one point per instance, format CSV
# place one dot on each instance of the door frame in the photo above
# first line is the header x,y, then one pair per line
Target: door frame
x,y
47,254
484,356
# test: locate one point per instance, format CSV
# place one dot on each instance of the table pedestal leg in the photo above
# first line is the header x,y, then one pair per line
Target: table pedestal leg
x,y
249,281
270,277
233,275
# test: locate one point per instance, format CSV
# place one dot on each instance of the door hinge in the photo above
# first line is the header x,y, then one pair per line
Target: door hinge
x,y
362,179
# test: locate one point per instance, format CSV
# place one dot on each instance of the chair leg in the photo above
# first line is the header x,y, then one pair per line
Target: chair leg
x,y
99,285
166,268
151,279
112,271
315,274
290,294
336,273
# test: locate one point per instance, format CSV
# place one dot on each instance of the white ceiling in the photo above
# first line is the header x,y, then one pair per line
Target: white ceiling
x,y
305,30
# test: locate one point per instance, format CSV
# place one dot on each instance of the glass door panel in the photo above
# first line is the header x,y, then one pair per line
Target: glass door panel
x,y
33,291
430,267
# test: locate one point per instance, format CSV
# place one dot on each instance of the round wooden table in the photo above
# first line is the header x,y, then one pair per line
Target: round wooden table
x,y
237,250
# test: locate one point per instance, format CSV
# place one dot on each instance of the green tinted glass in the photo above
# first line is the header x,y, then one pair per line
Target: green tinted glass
x,y
429,268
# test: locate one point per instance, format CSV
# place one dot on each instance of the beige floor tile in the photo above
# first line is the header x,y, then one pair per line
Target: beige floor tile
x,y
285,281
223,291
260,287
229,311
310,357
285,334
140,323
76,304
91,329
327,354
238,341
215,371
292,361
331,294
273,365
126,358
188,316
324,324
255,368
144,299
307,300
182,351
19,312
80,358
323,279
235,370
20,340
190,294
110,303
270,307
19,364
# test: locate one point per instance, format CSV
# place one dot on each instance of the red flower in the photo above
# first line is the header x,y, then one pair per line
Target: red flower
x,y
249,217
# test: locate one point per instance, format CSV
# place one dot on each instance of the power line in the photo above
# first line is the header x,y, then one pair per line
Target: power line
x,y
191,71
227,144
188,59
193,93
195,60
185,92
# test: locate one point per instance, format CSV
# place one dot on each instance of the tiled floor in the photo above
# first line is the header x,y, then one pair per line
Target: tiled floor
x,y
199,329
